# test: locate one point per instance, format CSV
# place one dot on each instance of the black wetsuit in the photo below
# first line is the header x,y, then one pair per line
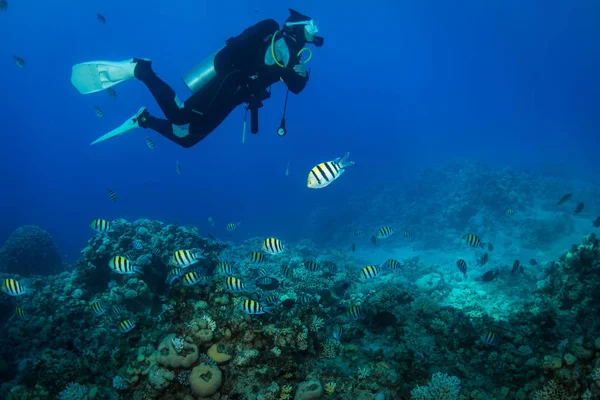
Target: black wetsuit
x,y
241,77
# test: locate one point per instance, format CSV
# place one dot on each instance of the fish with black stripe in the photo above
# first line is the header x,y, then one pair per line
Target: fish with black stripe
x,y
178,168
235,285
191,278
369,272
272,246
311,265
272,299
126,326
150,143
112,92
338,332
174,274
97,308
578,209
489,339
510,211
20,313
483,260
185,258
359,232
123,266
112,195
382,233
355,312
407,234
98,111
223,268
232,226
256,257
517,267
137,244
19,61
252,307
287,272
472,240
392,264
323,174
12,287
101,225
462,266
305,299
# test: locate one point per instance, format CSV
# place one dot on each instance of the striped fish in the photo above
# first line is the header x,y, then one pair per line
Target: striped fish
x,y
472,240
272,299
359,232
392,264
578,209
21,314
489,339
384,232
126,325
462,266
323,174
305,299
223,268
116,311
185,258
149,143
517,267
287,272
191,278
338,332
112,92
252,307
232,226
98,111
174,274
355,312
407,234
311,265
101,225
263,272
510,211
266,280
483,260
256,257
97,308
123,266
234,285
178,168
112,195
19,61
369,272
12,287
136,244
272,246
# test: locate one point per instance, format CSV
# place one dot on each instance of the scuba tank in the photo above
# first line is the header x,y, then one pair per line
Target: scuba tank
x,y
201,74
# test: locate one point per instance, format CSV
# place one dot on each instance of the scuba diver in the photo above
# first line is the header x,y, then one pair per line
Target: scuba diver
x,y
240,72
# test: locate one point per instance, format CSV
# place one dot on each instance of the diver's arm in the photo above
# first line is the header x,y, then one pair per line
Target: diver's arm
x,y
294,81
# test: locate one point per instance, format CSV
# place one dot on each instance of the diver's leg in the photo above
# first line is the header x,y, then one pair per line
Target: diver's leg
x,y
174,133
163,94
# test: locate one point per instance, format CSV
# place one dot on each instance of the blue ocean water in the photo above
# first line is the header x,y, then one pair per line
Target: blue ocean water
x,y
400,85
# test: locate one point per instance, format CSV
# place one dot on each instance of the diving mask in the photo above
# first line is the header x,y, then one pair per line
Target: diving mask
x,y
309,26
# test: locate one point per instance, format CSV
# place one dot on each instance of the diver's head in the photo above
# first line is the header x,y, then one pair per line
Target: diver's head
x,y
302,28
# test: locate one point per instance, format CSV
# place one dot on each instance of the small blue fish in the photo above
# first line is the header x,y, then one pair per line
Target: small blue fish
x,y
489,339
136,244
97,308
116,310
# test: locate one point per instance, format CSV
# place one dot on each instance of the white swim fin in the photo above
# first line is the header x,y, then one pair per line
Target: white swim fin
x,y
129,125
95,76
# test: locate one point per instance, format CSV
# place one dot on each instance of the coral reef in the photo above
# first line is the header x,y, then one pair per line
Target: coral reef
x,y
30,250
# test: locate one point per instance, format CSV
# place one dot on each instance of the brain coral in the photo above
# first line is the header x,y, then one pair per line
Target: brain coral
x,y
30,250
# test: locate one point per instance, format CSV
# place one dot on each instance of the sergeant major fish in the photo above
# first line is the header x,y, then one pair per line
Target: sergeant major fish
x,y
252,307
323,174
101,225
272,246
12,287
123,266
185,258
472,240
